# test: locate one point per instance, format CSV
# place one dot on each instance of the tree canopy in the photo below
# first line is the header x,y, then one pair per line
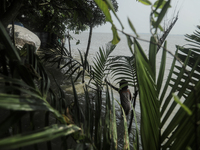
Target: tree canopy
x,y
53,16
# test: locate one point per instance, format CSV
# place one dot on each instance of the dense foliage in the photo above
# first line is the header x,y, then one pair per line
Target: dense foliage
x,y
53,16
169,120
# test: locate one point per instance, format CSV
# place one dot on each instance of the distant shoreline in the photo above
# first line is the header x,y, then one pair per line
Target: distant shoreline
x,y
131,33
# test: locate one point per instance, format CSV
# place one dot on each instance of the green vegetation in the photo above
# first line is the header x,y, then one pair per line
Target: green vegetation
x,y
169,120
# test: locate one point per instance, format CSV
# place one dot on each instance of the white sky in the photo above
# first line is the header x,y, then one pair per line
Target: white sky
x,y
189,16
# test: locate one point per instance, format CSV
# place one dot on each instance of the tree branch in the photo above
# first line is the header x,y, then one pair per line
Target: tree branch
x,y
11,12
112,86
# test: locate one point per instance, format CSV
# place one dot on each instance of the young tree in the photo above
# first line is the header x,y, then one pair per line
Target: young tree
x,y
97,18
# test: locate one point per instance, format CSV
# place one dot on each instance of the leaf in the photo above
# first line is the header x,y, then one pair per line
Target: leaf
x,y
77,110
145,2
78,75
130,43
25,75
161,28
100,64
45,82
107,123
112,8
18,84
116,37
150,115
162,14
114,124
11,51
162,68
14,102
38,136
98,119
104,7
136,142
123,67
132,27
176,99
152,55
88,122
174,88
126,137
159,4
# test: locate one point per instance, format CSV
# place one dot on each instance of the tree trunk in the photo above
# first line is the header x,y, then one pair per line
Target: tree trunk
x,y
70,52
11,12
89,41
87,51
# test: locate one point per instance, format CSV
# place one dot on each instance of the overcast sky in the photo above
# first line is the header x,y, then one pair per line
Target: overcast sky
x,y
189,16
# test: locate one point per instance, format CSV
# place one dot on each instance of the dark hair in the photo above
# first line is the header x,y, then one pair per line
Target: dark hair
x,y
123,83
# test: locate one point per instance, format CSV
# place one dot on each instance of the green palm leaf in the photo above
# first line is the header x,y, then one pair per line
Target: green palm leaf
x,y
107,123
38,136
100,67
148,100
22,103
126,137
113,124
105,6
123,67
11,51
176,121
194,39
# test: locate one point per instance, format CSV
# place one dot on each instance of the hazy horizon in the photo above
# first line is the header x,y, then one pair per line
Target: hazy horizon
x,y
138,13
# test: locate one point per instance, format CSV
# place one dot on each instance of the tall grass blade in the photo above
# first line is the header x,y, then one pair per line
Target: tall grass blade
x,y
11,51
150,116
78,114
107,123
14,102
114,124
152,55
98,119
88,124
38,136
162,13
176,98
126,137
162,69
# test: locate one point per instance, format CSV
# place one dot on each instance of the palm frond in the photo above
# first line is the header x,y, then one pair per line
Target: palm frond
x,y
25,86
194,39
41,135
126,137
99,68
11,51
184,81
107,123
148,100
123,67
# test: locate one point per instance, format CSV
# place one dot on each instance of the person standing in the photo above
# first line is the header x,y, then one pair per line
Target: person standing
x,y
125,95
